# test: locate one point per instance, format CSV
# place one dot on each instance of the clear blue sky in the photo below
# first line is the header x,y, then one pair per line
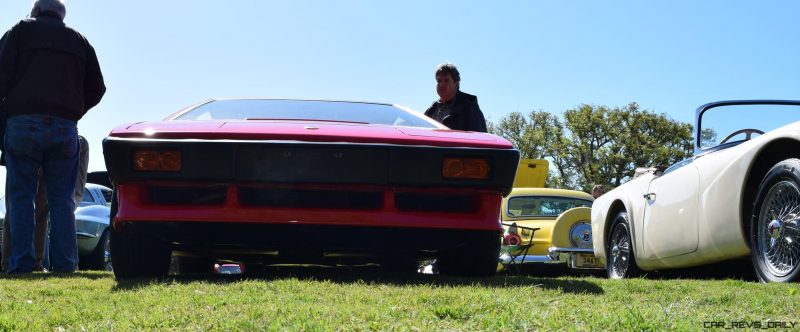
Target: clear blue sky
x,y
668,56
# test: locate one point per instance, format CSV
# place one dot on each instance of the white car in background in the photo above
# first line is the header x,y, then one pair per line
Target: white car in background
x,y
91,225
738,196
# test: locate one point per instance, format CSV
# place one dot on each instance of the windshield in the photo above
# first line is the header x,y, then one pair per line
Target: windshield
x,y
543,206
736,123
274,109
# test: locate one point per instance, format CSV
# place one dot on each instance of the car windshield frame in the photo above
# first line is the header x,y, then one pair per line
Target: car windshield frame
x,y
508,205
323,111
698,128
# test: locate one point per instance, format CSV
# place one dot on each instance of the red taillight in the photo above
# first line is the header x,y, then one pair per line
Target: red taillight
x,y
465,168
159,161
512,240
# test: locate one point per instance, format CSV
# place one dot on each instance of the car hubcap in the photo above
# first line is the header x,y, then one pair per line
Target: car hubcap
x,y
777,229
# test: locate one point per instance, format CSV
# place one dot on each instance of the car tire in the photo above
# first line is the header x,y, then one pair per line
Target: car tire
x,y
99,258
620,256
478,259
774,231
136,255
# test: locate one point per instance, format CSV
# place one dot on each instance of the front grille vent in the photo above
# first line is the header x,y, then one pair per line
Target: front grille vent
x,y
436,203
170,195
310,198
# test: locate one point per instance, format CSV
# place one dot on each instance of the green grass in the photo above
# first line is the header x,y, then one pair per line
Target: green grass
x,y
325,299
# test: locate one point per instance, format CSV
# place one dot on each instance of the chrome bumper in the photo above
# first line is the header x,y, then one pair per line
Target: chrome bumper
x,y
507,259
555,255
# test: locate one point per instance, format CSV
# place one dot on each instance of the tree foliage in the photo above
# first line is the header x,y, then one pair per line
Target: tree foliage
x,y
597,144
708,137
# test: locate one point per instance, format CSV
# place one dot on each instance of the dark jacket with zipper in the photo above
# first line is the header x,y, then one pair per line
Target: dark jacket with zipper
x,y
48,68
460,113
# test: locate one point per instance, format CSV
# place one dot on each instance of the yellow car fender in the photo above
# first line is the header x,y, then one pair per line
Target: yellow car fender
x,y
564,223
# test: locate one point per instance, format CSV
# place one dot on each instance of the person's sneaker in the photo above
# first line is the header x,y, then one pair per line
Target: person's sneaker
x,y
40,269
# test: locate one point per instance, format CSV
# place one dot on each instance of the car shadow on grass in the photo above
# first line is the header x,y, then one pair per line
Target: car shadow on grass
x,y
739,269
373,275
551,271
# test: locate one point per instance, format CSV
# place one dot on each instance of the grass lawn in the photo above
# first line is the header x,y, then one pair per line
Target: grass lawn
x,y
366,299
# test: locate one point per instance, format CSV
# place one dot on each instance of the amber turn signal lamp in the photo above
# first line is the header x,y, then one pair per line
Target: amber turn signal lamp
x,y
157,161
465,168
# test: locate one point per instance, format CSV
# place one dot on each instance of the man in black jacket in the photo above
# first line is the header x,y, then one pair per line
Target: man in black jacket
x,y
455,109
49,78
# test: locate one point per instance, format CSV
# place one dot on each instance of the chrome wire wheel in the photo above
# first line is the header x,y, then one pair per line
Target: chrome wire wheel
x,y
107,256
619,252
778,236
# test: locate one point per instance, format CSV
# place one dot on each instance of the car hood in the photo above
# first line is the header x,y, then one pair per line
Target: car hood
x,y
311,131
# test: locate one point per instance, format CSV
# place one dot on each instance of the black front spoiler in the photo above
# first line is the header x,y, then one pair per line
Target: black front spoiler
x,y
259,237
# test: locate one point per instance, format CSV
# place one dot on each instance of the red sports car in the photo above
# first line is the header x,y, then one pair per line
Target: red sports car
x,y
265,181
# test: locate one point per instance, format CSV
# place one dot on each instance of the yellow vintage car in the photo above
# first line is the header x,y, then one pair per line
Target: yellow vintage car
x,y
547,226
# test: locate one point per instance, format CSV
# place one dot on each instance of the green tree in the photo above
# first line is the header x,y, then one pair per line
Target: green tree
x,y
540,135
597,144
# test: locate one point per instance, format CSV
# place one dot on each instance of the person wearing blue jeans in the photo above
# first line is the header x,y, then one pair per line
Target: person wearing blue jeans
x,y
49,142
41,230
49,78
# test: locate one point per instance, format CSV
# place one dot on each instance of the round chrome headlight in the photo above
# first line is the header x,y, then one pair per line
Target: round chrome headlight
x,y
581,235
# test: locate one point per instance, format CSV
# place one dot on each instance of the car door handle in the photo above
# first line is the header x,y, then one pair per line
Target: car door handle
x,y
649,196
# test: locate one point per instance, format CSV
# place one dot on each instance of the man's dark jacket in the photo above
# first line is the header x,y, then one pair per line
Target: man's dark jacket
x,y
48,68
465,113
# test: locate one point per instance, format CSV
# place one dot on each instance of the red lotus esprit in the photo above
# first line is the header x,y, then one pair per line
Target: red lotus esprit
x,y
266,181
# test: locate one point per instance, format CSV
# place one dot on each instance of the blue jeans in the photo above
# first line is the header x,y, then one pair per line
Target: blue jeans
x,y
34,141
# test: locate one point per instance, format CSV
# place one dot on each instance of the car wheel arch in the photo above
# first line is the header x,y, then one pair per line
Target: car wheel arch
x,y
617,207
769,155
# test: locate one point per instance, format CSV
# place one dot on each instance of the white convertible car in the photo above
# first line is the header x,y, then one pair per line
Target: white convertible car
x,y
738,196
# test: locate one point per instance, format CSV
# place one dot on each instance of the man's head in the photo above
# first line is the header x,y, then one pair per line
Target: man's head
x,y
54,6
447,81
597,191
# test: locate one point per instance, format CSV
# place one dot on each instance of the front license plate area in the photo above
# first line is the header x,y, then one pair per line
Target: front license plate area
x,y
586,261
311,164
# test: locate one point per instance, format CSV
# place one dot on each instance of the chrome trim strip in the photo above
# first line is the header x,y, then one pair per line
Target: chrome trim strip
x,y
558,250
83,235
197,140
